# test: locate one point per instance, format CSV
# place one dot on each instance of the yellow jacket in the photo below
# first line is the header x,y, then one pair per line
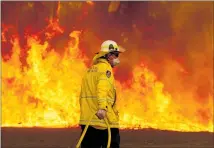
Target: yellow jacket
x,y
98,92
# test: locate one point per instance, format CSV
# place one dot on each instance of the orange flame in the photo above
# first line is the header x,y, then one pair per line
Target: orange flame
x,y
90,2
45,92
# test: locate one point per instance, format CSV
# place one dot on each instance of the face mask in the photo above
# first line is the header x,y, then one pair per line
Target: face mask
x,y
116,61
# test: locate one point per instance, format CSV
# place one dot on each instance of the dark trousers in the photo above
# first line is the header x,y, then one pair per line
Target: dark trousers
x,y
95,138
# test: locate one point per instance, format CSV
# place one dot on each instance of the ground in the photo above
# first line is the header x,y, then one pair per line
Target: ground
x,y
66,138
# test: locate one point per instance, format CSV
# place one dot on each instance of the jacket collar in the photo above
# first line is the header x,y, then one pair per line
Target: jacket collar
x,y
101,60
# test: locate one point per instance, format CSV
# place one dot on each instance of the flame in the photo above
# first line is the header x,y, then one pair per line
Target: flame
x,y
146,105
40,94
89,2
113,6
44,92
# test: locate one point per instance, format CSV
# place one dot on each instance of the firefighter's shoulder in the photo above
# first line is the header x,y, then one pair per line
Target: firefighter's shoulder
x,y
103,67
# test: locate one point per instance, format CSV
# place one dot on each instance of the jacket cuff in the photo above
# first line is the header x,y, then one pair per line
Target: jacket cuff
x,y
103,106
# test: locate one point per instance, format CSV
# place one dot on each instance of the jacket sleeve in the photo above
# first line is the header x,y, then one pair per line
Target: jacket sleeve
x,y
103,87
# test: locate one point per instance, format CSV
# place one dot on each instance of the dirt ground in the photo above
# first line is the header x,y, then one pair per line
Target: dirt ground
x,y
66,138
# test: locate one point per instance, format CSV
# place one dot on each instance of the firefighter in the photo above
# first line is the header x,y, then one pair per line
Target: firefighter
x,y
98,95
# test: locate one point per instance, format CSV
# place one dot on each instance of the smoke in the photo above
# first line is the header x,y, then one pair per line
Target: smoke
x,y
174,39
189,70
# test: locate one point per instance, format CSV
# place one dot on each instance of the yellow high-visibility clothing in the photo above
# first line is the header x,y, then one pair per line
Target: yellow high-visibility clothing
x,y
98,92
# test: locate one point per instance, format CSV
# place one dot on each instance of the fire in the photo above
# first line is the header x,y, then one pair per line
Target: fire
x,y
149,106
90,2
44,92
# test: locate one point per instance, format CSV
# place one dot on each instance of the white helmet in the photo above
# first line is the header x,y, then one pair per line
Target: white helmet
x,y
109,46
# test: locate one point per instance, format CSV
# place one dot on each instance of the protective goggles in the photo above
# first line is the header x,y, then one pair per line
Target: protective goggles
x,y
116,53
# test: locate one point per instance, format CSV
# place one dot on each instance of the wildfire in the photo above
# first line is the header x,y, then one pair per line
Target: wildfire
x,y
90,2
45,91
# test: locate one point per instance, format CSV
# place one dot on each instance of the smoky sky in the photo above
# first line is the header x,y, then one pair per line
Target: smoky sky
x,y
174,39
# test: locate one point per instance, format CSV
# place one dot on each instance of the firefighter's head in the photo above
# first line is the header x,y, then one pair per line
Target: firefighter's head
x,y
110,51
